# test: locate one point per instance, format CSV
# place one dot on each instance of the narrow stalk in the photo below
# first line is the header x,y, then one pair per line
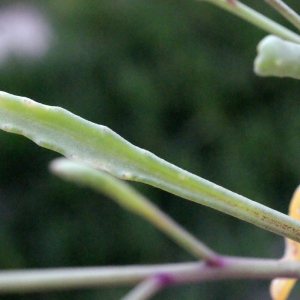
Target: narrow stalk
x,y
145,289
24,281
286,12
133,201
256,18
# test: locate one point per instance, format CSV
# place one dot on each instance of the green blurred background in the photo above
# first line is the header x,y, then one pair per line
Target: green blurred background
x,y
174,77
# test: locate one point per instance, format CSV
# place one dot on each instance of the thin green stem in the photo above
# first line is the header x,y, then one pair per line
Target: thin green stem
x,y
25,281
130,199
286,12
256,19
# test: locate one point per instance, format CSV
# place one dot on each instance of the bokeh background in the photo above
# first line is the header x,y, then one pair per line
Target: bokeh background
x,y
174,77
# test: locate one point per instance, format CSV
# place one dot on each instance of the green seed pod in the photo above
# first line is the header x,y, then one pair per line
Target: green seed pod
x,y
277,57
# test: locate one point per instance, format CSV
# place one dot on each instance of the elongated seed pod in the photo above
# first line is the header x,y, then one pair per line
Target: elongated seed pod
x,y
78,139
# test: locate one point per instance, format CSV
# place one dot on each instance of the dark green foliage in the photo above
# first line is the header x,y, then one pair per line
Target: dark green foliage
x,y
174,77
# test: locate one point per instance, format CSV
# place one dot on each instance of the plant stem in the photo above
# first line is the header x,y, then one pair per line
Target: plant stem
x,y
286,12
145,289
256,19
130,199
22,281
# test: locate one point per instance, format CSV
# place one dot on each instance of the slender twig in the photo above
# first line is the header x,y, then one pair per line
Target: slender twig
x,y
256,18
145,289
286,11
22,281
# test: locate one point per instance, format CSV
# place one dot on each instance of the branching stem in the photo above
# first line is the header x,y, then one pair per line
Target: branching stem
x,y
22,281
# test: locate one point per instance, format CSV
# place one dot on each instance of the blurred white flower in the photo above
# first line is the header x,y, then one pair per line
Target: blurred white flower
x,y
24,32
